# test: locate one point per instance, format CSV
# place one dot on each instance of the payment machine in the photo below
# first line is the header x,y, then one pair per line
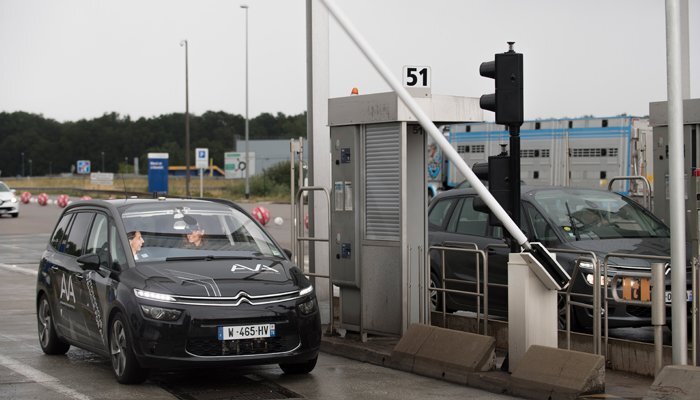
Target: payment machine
x,y
379,206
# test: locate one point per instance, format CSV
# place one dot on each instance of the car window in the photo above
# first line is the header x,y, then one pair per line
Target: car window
x,y
467,221
542,230
164,230
59,232
116,249
98,240
439,212
78,231
3,187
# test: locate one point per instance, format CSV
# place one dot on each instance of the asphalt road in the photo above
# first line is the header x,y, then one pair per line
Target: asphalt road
x,y
25,372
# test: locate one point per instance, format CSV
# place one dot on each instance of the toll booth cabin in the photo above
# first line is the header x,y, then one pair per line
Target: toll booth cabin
x,y
379,206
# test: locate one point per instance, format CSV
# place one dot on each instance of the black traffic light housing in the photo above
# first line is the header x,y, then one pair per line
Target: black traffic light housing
x,y
497,173
507,102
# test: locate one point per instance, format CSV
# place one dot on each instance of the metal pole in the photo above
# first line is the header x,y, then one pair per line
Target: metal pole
x,y
22,164
676,184
201,183
187,120
103,160
658,312
247,161
428,125
515,179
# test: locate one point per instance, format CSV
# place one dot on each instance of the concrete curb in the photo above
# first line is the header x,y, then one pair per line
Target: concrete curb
x,y
681,382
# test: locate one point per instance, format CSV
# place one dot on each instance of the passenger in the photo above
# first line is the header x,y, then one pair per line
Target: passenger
x,y
195,237
136,242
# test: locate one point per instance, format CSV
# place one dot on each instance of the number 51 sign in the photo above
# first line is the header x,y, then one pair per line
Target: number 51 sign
x,y
416,76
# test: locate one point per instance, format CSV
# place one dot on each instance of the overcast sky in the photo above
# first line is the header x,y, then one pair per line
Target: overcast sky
x,y
74,59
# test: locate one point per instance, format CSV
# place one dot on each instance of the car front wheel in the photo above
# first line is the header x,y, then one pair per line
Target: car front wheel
x,y
299,368
124,363
48,338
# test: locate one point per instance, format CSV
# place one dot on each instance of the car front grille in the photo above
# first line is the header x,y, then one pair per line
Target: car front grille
x,y
203,337
242,347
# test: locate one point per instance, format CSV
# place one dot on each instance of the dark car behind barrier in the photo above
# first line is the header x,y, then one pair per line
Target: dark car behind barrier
x,y
561,218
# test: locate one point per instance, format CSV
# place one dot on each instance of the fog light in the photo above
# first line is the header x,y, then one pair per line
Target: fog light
x,y
161,314
307,307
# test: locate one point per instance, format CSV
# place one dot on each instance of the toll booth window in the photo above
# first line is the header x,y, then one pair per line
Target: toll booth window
x,y
439,213
78,232
467,221
59,233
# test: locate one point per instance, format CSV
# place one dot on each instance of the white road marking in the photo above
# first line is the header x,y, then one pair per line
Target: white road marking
x,y
41,378
15,268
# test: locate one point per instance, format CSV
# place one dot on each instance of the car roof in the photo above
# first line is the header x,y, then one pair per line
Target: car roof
x,y
120,204
524,189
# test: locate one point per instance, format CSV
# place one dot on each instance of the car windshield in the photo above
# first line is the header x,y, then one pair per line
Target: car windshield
x,y
163,231
3,187
590,214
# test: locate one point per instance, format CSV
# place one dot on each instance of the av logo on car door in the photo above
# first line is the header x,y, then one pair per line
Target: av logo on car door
x,y
67,291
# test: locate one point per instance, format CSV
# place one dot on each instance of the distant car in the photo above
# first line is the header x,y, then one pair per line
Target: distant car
x,y
173,284
560,218
9,203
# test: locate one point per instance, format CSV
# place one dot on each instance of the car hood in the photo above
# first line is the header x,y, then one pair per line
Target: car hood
x,y
635,246
4,196
221,277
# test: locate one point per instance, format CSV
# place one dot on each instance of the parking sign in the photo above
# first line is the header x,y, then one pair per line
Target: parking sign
x,y
202,157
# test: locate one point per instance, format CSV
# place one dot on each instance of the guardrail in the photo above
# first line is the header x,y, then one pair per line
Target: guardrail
x,y
298,240
478,294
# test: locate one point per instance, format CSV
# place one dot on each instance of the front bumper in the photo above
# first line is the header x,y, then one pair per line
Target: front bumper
x,y
192,341
8,207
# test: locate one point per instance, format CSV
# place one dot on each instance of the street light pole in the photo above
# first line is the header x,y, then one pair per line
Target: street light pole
x,y
103,161
22,164
187,121
247,161
30,167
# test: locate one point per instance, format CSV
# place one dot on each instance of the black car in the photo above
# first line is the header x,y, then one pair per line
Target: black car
x,y
173,284
591,220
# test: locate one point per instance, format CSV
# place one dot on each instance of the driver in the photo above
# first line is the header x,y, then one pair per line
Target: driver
x,y
195,237
135,243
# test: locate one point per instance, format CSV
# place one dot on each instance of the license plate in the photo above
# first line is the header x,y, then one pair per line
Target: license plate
x,y
688,296
246,332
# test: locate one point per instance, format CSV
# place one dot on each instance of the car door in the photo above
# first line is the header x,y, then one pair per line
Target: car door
x,y
69,276
52,268
466,228
94,283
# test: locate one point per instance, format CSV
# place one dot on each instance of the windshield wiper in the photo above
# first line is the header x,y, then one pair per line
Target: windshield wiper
x,y
571,221
210,257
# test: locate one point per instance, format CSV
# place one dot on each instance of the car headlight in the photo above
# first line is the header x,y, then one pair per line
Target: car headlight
x,y
585,265
143,294
306,290
161,314
589,279
307,307
13,200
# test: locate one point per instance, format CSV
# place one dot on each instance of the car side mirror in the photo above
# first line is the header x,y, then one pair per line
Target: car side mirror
x,y
13,191
287,252
480,206
89,262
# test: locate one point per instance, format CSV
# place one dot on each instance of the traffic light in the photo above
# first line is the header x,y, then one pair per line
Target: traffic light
x,y
497,173
507,102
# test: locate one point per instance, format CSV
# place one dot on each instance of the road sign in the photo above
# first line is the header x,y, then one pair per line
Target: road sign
x,y
102,178
202,158
416,76
83,166
235,165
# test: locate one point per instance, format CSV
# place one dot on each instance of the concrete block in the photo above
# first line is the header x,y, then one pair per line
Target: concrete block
x,y
444,353
549,373
403,355
679,382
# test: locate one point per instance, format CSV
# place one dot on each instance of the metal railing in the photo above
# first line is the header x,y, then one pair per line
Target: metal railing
x,y
298,240
478,293
647,193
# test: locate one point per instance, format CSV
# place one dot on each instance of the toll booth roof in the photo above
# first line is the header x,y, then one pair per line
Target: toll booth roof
x,y
388,107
